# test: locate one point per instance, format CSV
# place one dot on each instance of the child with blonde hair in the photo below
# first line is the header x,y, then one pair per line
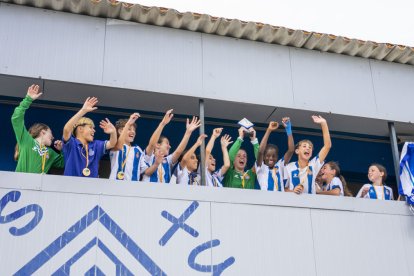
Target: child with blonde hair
x,y
81,151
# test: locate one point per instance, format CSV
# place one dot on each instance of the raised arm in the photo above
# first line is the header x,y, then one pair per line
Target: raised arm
x,y
122,137
291,143
157,133
109,128
209,148
17,118
327,144
255,142
88,106
237,144
190,127
225,142
272,127
192,150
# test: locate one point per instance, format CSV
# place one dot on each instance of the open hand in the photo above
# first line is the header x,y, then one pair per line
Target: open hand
x,y
107,126
33,92
318,119
193,125
226,141
89,104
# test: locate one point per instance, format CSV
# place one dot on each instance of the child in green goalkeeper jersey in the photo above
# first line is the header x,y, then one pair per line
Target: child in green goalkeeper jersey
x,y
33,152
236,176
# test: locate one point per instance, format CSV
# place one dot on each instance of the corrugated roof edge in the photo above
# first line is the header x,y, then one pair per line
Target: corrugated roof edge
x,y
204,23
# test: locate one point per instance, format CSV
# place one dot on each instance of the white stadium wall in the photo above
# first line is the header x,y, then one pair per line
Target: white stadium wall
x,y
74,225
114,53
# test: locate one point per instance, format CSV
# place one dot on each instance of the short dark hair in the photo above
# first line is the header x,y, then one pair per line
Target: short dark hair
x,y
382,169
271,146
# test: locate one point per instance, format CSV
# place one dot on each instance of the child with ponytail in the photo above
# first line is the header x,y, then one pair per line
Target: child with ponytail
x,y
33,151
335,182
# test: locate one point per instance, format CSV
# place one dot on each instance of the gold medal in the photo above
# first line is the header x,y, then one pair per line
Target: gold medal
x,y
86,172
120,175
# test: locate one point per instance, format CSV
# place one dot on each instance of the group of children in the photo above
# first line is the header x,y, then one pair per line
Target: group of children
x,y
80,154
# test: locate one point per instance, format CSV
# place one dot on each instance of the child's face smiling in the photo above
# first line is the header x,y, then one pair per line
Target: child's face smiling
x,y
211,164
304,151
270,157
374,174
327,172
130,134
240,161
87,132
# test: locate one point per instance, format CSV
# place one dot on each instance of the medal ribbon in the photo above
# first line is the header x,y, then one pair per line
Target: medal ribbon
x,y
160,173
302,179
275,179
243,176
87,154
124,158
43,151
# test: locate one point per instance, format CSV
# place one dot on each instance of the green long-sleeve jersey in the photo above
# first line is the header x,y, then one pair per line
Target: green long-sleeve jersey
x,y
235,179
30,152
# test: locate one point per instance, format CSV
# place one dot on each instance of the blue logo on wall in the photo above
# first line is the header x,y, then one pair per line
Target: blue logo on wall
x,y
98,214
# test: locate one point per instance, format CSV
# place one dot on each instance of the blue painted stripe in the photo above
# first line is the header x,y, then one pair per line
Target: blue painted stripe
x,y
50,251
135,166
65,268
93,215
130,245
270,181
167,172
